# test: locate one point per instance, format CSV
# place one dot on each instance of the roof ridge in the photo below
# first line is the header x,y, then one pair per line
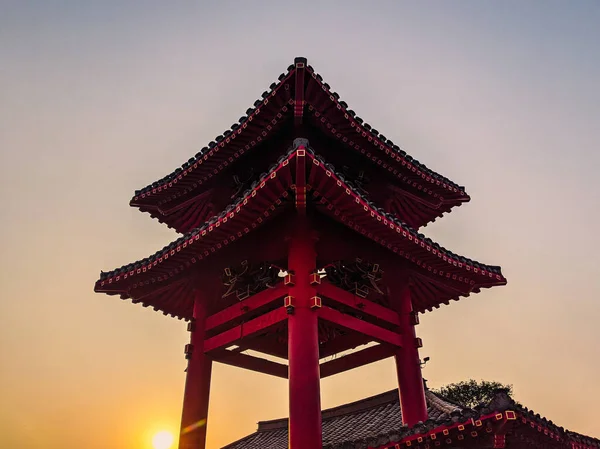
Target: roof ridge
x,y
377,137
214,143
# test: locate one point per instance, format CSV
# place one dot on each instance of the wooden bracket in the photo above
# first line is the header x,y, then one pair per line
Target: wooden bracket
x,y
414,318
315,302
315,279
289,280
288,303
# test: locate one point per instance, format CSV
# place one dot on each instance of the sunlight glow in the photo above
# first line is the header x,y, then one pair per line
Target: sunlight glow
x,y
162,440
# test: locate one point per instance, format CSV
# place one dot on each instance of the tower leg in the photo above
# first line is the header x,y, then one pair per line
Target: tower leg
x,y
197,383
303,347
408,365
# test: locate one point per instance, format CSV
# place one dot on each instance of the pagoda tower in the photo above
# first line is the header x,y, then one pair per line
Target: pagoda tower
x,y
299,240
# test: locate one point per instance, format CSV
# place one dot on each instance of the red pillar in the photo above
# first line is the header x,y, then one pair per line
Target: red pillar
x,y
408,364
197,382
303,346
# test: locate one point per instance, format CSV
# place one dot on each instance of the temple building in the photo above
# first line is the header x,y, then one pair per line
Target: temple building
x,y
300,240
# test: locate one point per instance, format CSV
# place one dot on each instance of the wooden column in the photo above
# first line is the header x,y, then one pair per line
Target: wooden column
x,y
303,345
408,364
197,381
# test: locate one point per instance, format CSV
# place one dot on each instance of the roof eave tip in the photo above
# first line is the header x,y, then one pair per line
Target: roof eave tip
x,y
300,59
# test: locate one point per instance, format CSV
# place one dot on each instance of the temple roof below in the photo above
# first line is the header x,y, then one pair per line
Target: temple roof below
x,y
376,422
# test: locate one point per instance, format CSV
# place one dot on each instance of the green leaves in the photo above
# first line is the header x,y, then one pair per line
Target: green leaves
x,y
471,393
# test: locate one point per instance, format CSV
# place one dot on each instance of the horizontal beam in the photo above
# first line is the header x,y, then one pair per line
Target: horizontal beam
x,y
355,359
252,327
265,346
349,322
247,305
252,363
364,305
343,343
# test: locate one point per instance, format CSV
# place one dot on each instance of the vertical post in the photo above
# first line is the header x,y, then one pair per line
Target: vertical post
x,y
303,345
197,381
408,364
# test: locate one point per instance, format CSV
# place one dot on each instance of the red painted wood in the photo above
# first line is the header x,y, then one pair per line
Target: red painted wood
x,y
356,359
301,180
197,382
258,324
349,322
252,363
368,307
408,364
247,305
303,346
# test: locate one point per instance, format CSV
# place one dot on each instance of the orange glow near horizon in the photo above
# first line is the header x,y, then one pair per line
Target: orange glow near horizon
x,y
163,440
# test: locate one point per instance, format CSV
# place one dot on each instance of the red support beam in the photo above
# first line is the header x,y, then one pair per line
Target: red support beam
x,y
356,302
252,363
250,304
356,359
349,322
197,381
408,363
300,176
305,430
258,324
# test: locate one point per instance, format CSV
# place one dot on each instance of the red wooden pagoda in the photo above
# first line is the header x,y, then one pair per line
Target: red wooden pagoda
x,y
300,241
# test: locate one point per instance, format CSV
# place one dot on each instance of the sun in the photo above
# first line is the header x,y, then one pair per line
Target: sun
x,y
162,440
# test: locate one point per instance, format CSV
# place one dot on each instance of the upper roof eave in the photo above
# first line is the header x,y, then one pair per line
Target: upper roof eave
x,y
147,198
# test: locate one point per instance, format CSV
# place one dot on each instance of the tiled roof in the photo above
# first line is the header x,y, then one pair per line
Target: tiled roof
x,y
376,422
371,419
180,187
384,144
220,140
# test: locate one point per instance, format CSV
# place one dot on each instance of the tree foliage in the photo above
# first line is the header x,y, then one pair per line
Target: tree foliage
x,y
471,393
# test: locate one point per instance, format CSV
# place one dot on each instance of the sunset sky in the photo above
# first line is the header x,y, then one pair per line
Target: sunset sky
x,y
100,98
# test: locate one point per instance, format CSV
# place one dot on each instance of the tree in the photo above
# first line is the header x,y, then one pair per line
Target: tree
x,y
471,393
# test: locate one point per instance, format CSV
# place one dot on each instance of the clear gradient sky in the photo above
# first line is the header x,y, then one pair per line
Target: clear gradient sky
x,y
100,98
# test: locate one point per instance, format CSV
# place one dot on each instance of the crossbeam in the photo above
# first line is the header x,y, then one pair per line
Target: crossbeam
x,y
355,359
349,322
364,305
250,304
252,327
342,343
252,363
269,347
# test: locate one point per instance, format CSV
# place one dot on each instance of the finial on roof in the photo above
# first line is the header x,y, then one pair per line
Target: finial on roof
x,y
300,60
